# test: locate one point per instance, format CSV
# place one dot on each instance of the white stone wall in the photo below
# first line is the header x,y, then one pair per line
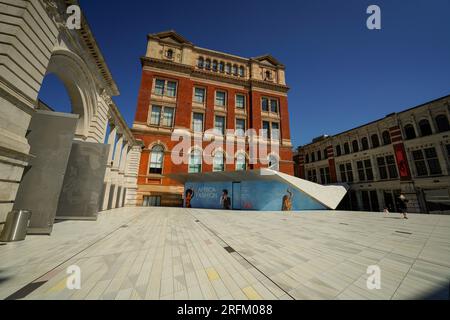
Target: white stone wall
x,y
33,42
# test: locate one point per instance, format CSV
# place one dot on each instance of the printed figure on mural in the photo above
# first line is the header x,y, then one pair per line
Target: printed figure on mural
x,y
225,200
189,196
287,201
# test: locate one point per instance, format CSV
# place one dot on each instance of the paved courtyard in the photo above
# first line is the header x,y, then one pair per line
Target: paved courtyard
x,y
162,253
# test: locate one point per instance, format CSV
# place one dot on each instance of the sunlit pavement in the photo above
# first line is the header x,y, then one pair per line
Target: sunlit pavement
x,y
166,253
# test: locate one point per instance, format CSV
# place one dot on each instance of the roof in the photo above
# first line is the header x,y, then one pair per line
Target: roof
x,y
330,196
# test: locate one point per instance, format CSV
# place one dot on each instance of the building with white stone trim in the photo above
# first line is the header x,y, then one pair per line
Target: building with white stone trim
x,y
35,41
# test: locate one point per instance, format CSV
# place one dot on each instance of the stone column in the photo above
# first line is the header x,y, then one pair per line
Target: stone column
x,y
111,140
118,153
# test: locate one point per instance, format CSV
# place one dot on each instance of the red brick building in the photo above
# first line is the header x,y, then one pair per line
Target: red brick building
x,y
185,87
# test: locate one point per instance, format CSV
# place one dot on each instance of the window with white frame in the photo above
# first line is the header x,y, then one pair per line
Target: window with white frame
x,y
221,98
240,127
162,116
325,177
271,130
199,95
240,101
219,162
219,125
241,162
156,160
195,161
165,88
197,122
365,172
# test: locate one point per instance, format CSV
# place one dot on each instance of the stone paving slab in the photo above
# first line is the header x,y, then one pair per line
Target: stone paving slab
x,y
169,253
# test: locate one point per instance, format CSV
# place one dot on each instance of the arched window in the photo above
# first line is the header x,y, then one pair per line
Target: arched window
x,y
355,146
228,68
375,141
195,161
425,128
365,143
386,138
346,148
325,154
219,162
241,71
319,156
442,123
241,163
208,64
169,54
156,160
274,163
307,158
410,132
201,62
221,66
235,70
313,157
338,151
214,66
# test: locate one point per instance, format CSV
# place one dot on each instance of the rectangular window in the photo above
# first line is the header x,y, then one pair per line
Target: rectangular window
x,y
240,127
369,171
171,88
155,116
382,168
265,105
159,87
419,161
361,171
168,117
325,175
221,98
275,131
266,129
433,161
365,172
343,173
152,201
200,95
274,106
427,162
195,162
240,101
392,167
349,172
219,125
197,124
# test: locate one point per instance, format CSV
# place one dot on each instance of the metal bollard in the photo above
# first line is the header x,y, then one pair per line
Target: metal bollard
x,y
16,225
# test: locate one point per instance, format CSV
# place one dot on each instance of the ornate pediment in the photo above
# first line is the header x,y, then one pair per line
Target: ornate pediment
x,y
268,60
170,37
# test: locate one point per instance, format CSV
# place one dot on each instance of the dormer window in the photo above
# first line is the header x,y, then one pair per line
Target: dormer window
x,y
169,54
214,66
268,75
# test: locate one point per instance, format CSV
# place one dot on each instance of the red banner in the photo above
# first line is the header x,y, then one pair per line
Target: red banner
x,y
402,162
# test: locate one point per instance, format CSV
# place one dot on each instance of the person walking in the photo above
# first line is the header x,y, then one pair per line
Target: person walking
x,y
403,205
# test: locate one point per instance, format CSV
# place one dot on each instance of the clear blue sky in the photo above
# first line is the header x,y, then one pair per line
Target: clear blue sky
x,y
341,74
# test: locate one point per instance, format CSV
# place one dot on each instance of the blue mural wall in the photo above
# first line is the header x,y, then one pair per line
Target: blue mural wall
x,y
249,195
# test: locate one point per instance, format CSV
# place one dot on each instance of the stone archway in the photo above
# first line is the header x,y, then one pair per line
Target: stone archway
x,y
79,83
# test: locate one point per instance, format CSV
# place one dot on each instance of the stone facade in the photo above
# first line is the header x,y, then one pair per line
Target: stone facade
x,y
35,41
185,87
406,152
